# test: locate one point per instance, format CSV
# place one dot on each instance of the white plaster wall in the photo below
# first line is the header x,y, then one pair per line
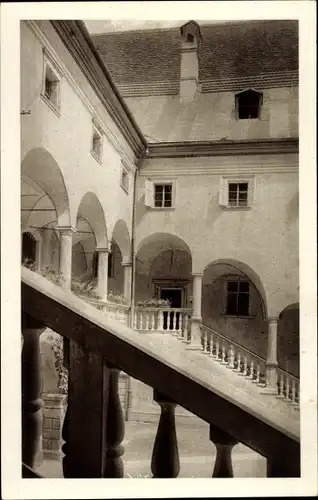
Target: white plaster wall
x,y
211,116
68,137
264,237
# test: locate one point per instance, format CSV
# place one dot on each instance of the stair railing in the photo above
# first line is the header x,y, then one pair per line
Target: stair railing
x,y
94,425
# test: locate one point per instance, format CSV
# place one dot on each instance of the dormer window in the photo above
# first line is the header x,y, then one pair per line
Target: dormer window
x,y
51,86
248,104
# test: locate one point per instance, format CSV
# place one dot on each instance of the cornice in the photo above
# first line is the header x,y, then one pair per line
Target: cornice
x,y
222,148
78,42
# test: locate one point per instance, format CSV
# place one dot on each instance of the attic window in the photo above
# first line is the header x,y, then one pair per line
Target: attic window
x,y
248,104
51,86
96,148
190,37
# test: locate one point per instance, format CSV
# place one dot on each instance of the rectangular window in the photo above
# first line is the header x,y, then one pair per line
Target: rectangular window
x,y
238,298
238,192
162,195
96,144
51,86
124,179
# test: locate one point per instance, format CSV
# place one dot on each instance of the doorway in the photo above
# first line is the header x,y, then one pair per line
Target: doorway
x,y
174,295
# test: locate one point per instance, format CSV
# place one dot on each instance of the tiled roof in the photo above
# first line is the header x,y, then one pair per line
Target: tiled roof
x,y
231,50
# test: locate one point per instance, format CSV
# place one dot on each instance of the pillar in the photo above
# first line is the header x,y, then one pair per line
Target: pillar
x,y
102,272
127,280
271,359
196,319
38,255
46,260
65,264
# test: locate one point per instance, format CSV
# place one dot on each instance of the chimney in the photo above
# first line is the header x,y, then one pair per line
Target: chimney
x,y
189,71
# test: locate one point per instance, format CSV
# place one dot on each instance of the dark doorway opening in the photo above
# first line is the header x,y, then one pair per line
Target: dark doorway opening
x,y
174,295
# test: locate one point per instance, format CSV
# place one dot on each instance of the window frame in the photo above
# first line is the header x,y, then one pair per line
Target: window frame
x,y
237,104
224,198
124,172
97,132
150,193
48,65
237,279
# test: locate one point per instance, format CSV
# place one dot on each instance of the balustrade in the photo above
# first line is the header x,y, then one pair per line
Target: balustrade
x,y
175,321
93,427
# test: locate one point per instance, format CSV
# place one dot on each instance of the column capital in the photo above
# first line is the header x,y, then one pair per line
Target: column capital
x,y
126,263
272,319
103,250
197,275
66,229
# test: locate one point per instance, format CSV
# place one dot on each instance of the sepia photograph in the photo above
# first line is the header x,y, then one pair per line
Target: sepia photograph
x,y
159,248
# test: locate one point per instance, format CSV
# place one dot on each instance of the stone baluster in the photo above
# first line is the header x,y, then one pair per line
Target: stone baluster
x,y
160,320
115,432
146,327
231,357
238,363
217,350
186,329
211,344
287,388
244,372
224,444
31,390
250,376
165,456
293,392
152,320
257,374
281,385
223,354
205,341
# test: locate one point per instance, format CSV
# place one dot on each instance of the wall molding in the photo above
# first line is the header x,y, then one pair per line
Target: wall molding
x,y
222,148
64,72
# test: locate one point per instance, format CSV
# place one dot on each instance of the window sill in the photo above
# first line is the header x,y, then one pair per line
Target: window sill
x,y
162,209
94,155
238,316
55,109
228,207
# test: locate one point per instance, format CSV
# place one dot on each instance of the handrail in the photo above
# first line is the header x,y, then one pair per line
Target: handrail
x,y
101,302
164,309
183,377
263,360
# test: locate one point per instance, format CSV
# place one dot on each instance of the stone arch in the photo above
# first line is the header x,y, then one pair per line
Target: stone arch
x,y
288,339
121,236
239,313
244,269
91,216
163,267
43,183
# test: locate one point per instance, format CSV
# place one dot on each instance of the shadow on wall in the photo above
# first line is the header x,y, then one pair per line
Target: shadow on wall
x,y
288,340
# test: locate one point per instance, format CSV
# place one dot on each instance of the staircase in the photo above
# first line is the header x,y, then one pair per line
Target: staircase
x,y
236,410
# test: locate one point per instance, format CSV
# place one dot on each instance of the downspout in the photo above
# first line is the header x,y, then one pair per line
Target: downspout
x,y
133,267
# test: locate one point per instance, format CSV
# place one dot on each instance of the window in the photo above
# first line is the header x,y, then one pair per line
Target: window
x,y
190,38
236,192
238,298
160,194
124,182
248,104
163,195
96,149
51,86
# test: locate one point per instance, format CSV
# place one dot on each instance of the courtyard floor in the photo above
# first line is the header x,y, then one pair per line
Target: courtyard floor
x,y
196,452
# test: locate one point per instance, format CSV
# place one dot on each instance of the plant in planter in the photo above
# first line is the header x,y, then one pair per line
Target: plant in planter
x,y
87,288
154,303
117,298
30,264
57,346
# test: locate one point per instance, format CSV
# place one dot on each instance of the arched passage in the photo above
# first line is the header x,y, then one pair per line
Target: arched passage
x,y
91,233
163,270
121,237
44,202
234,304
288,339
29,244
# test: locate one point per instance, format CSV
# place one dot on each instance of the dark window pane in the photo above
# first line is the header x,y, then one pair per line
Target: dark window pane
x,y
244,286
158,189
231,303
243,186
243,303
233,187
158,203
167,203
168,188
232,286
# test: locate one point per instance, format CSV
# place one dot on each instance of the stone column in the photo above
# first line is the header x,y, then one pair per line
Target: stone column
x,y
127,280
196,319
271,359
65,264
46,247
102,272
